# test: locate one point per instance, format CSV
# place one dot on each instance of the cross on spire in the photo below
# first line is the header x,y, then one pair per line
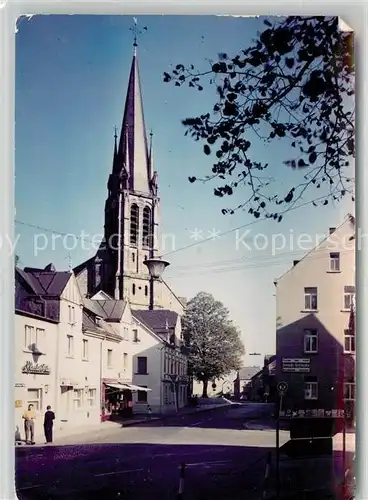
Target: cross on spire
x,y
136,32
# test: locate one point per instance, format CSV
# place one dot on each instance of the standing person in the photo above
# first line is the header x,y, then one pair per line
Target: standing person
x,y
149,412
29,417
48,424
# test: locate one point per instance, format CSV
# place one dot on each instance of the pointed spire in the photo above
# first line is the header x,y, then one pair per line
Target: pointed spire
x,y
116,157
151,155
133,139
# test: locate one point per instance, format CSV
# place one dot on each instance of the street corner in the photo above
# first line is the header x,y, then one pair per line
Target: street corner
x,y
256,426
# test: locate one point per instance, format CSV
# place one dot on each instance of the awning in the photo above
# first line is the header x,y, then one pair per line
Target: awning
x,y
129,387
132,387
116,386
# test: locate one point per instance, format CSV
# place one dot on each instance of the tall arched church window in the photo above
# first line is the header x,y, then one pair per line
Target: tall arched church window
x,y
147,237
134,224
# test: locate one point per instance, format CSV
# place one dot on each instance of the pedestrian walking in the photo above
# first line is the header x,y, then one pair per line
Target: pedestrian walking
x,y
48,424
149,412
29,417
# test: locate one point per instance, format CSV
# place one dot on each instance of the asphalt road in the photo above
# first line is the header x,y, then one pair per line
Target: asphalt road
x,y
222,459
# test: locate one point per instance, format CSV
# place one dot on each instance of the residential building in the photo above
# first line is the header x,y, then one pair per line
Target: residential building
x,y
315,346
35,356
243,382
53,365
223,385
161,360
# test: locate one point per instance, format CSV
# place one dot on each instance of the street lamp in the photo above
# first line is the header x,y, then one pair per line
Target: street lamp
x,y
156,266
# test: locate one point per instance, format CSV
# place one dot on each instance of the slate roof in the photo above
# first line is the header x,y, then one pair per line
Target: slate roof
x,y
111,310
89,323
248,372
157,320
38,291
45,283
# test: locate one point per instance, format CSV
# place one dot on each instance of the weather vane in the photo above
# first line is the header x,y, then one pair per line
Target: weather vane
x,y
137,31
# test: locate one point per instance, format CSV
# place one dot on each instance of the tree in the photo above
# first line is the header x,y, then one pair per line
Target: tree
x,y
294,84
214,342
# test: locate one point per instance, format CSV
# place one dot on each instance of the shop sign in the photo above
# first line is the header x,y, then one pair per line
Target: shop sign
x,y
295,365
313,413
35,368
18,403
17,385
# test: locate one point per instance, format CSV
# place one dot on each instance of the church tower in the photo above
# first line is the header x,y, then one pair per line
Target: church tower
x,y
131,211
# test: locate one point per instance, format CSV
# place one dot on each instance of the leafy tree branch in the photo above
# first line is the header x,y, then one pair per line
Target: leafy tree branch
x,y
294,84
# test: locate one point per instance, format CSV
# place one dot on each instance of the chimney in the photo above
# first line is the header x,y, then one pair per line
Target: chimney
x,y
295,262
331,230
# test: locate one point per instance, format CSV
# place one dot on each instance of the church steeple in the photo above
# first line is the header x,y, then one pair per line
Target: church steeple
x,y
133,138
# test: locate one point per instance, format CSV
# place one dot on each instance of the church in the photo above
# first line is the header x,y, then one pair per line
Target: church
x,y
132,219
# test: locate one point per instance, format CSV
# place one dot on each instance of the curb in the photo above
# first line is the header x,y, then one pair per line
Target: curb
x,y
169,415
119,425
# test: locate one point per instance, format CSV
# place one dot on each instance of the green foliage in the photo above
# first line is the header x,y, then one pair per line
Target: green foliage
x,y
214,342
294,84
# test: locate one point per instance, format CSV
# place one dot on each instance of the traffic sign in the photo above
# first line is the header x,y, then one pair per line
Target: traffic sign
x,y
282,387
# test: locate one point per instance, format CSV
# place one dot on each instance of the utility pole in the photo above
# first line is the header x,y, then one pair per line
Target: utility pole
x,y
281,389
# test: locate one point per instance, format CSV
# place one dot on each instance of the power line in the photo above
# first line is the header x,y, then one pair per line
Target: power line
x,y
229,231
239,268
196,243
245,260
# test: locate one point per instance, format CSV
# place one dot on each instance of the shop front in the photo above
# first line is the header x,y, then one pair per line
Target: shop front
x,y
117,399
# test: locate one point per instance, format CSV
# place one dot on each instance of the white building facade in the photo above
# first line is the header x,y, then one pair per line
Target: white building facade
x,y
160,361
35,364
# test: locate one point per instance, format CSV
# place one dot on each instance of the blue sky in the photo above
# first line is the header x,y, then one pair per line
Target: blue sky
x,y
71,79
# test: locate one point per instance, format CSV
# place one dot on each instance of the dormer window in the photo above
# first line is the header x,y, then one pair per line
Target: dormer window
x,y
98,321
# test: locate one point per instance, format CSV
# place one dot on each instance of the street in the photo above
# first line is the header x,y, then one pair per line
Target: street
x,y
222,459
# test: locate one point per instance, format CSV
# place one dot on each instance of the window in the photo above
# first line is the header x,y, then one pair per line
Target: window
x,y
135,335
334,261
133,289
28,336
349,342
349,295
91,397
134,224
142,396
310,299
142,365
109,358
33,338
34,397
146,227
165,364
85,349
310,390
40,336
70,345
77,398
349,391
310,341
125,361
71,311
126,333
146,290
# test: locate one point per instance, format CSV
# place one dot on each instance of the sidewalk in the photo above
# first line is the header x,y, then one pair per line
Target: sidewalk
x,y
61,434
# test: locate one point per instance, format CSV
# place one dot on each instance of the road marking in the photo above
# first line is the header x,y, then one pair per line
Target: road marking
x,y
29,487
119,472
204,464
